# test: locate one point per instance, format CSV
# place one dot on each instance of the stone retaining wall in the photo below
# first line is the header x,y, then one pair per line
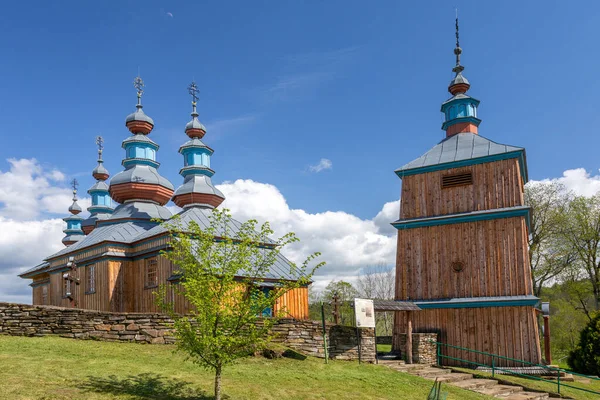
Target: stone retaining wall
x,y
424,351
303,336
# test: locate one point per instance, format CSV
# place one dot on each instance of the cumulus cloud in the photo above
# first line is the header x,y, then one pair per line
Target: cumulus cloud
x,y
347,243
28,190
323,164
578,180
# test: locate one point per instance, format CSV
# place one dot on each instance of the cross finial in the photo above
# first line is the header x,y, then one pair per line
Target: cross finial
x,y
457,50
193,91
100,144
74,185
138,83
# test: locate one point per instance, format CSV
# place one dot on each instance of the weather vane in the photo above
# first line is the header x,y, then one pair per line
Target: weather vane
x,y
193,91
138,83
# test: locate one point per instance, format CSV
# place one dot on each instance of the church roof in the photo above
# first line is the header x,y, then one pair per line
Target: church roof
x,y
461,149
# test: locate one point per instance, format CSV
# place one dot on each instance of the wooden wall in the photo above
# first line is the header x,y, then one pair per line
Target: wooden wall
x,y
293,304
495,185
506,331
494,254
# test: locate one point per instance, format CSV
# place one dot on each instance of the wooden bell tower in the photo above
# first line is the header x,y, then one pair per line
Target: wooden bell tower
x,y
462,252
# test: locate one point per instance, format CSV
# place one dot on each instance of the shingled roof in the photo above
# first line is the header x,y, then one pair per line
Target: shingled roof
x,y
466,147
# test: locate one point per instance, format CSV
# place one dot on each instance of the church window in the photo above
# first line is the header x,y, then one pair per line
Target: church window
x,y
151,273
90,279
45,294
450,181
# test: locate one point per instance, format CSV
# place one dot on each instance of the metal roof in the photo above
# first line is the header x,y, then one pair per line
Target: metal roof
x,y
124,232
140,210
394,305
198,184
139,115
141,174
38,267
459,147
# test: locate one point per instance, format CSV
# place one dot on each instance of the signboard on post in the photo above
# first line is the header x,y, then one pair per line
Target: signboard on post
x,y
364,312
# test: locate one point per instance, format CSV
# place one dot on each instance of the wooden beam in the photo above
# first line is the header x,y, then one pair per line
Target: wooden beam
x,y
409,357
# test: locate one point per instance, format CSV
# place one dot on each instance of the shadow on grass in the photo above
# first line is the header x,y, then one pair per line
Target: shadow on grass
x,y
146,386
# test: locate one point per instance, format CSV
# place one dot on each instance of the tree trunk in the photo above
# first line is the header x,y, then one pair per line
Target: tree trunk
x,y
218,383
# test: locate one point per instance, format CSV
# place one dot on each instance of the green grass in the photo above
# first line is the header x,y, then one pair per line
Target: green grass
x,y
55,368
384,348
547,386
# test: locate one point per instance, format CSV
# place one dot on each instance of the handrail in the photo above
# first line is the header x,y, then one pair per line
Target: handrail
x,y
495,368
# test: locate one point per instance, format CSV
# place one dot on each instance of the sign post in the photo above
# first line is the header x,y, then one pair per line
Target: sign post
x,y
364,317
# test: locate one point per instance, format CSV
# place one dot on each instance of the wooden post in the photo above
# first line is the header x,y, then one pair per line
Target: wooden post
x,y
336,309
409,357
547,339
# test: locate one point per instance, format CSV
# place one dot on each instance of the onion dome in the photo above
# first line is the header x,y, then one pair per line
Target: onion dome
x,y
460,111
197,189
101,207
73,231
140,182
138,121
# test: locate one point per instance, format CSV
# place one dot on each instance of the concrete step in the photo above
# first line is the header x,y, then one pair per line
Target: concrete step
x,y
500,391
473,384
454,377
528,396
431,372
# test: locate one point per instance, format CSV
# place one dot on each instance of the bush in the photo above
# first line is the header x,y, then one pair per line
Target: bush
x,y
585,359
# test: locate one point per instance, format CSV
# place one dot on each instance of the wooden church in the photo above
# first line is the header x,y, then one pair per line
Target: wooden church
x,y
112,261
462,253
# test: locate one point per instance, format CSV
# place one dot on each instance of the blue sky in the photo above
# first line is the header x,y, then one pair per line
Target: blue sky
x,y
287,83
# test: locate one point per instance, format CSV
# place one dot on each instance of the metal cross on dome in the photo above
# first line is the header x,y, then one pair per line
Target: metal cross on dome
x,y
138,83
100,143
193,91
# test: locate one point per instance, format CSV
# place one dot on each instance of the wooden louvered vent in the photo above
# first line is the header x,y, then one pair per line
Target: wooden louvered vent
x,y
450,181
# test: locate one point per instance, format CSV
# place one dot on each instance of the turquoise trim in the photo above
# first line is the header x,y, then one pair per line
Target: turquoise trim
x,y
452,102
142,144
520,154
475,121
464,217
140,161
100,209
196,170
478,304
196,149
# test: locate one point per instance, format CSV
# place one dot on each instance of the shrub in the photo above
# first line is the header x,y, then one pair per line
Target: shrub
x,y
585,359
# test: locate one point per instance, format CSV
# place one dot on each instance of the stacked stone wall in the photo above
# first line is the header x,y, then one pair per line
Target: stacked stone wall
x,y
301,335
424,348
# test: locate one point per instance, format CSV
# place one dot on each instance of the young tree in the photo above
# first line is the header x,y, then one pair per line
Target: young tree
x,y
585,359
222,269
378,282
580,230
549,255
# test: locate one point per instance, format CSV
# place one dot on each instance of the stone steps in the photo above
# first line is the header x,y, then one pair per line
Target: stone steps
x,y
489,387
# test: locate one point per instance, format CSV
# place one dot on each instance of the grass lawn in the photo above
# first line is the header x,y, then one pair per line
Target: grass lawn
x,y
384,348
56,368
550,387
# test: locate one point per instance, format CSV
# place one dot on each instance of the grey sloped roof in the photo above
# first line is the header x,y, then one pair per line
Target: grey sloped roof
x,y
124,232
195,123
195,142
99,185
459,147
459,78
198,184
38,267
139,138
141,174
138,115
140,210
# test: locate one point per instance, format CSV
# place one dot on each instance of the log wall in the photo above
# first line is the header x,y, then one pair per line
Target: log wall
x,y
493,253
506,331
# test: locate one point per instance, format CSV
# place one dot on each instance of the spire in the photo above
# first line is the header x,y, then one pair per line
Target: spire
x,y
460,110
197,189
140,188
73,231
459,84
101,207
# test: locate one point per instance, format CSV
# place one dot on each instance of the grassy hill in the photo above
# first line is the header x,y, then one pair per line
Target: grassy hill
x,y
56,368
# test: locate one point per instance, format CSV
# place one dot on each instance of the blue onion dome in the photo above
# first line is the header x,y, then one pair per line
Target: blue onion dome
x,y
73,231
100,172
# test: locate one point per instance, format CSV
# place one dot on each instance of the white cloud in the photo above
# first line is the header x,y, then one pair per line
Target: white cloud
x,y
577,180
27,191
323,164
347,243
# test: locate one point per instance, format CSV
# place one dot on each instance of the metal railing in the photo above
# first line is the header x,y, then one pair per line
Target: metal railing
x,y
494,367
